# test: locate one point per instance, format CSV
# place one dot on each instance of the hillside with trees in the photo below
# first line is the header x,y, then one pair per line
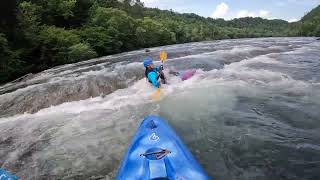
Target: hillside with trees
x,y
36,35
310,23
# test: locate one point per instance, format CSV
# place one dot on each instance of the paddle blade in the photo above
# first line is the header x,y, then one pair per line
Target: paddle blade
x,y
156,96
163,56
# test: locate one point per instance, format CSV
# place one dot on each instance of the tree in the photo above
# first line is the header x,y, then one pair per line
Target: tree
x,y
153,33
100,40
80,13
8,16
39,34
62,8
56,12
29,17
9,64
80,52
118,25
55,42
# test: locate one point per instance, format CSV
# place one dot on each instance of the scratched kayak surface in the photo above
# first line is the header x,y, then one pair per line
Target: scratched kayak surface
x,y
250,111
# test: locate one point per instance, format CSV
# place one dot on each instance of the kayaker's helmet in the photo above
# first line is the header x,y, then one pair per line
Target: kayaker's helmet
x,y
147,62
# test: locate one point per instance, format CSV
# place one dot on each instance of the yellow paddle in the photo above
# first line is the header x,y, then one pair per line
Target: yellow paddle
x,y
163,56
157,94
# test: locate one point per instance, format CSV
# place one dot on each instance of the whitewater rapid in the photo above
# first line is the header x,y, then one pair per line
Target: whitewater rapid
x,y
251,111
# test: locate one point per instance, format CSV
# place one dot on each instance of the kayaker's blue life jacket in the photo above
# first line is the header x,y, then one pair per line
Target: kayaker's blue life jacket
x,y
149,71
153,76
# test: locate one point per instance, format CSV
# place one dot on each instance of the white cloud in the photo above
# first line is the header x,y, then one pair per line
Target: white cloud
x,y
293,20
220,11
262,13
175,5
245,13
150,2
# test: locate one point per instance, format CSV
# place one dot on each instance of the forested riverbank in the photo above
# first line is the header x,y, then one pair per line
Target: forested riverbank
x,y
36,35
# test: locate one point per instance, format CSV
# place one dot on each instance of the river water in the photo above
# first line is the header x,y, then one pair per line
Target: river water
x,y
250,112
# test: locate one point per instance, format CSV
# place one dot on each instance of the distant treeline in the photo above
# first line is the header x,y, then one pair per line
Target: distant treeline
x,y
39,34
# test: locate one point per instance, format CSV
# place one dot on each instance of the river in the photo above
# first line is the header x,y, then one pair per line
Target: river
x,y
251,111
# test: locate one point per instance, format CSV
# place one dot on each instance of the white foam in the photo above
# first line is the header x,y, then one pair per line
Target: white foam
x,y
232,75
139,93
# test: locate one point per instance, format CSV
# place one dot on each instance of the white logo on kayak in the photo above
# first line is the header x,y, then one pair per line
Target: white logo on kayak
x,y
154,137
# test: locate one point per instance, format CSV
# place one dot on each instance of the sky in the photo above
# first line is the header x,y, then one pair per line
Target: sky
x,y
290,10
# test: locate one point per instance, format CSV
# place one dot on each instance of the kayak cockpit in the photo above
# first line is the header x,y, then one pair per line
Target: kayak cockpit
x,y
157,163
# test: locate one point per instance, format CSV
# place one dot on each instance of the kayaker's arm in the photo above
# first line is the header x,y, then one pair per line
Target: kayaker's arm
x,y
162,76
152,76
159,68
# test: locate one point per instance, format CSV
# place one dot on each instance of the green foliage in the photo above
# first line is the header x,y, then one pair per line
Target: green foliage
x,y
61,7
29,17
310,25
151,33
39,34
7,16
118,25
56,12
80,52
9,64
99,40
81,13
58,37
55,44
312,14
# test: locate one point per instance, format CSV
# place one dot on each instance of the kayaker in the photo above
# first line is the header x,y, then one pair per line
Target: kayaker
x,y
154,73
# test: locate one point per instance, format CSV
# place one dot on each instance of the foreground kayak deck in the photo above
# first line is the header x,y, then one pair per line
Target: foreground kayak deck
x,y
157,152
4,175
